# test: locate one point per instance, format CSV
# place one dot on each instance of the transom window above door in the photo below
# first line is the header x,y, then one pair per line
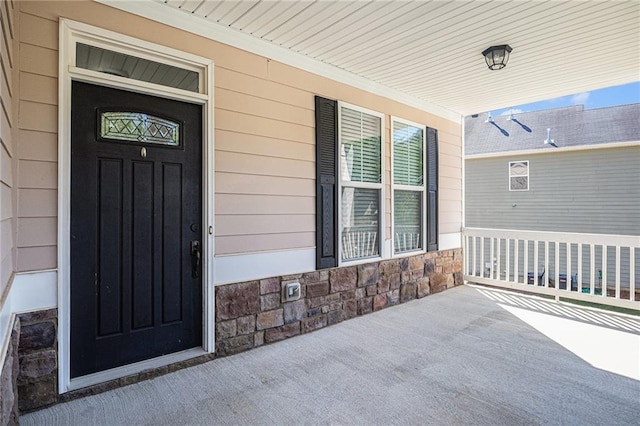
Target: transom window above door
x,y
123,65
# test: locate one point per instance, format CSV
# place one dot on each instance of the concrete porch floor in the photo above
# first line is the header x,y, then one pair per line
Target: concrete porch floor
x,y
457,357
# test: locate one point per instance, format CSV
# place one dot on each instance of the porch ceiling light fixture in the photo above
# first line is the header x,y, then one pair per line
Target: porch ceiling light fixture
x,y
497,56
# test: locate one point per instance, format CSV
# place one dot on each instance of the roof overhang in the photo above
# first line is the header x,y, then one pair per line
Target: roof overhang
x,y
428,54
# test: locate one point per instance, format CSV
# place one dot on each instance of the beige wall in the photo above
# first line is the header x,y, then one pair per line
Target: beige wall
x,y
264,137
8,101
37,149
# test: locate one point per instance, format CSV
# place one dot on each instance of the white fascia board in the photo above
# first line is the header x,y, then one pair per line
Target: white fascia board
x,y
553,150
166,15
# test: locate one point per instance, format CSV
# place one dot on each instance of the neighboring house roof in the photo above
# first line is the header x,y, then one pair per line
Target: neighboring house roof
x,y
570,126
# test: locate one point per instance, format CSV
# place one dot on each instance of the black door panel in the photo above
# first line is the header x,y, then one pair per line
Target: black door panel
x,y
133,206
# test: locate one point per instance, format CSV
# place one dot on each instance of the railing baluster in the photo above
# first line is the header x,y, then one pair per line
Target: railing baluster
x,y
516,259
568,267
482,265
535,262
592,261
493,256
632,273
546,264
604,270
557,269
525,262
617,272
474,256
580,267
508,258
499,258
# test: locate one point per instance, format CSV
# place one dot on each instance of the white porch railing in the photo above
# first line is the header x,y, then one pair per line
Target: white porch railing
x,y
595,268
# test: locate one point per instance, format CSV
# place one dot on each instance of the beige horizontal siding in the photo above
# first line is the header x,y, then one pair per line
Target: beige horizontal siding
x,y
261,88
264,134
39,88
38,60
266,108
34,203
36,145
250,164
38,116
266,242
37,148
6,167
6,251
264,204
37,174
37,231
7,144
260,126
254,224
38,31
260,145
235,183
36,258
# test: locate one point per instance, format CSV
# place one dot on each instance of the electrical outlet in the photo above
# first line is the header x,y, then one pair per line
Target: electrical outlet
x,y
292,291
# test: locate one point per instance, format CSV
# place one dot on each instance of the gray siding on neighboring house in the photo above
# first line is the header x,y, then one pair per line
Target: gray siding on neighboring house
x,y
586,191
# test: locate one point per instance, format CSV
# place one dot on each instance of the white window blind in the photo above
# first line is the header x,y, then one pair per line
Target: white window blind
x,y
361,181
408,142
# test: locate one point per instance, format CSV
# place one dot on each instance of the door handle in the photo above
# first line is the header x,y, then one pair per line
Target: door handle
x,y
196,255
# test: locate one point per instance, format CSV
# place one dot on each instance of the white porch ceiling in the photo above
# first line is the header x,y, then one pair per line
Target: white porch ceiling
x,y
431,50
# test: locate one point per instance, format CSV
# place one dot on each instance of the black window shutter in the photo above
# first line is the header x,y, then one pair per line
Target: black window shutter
x,y
326,183
432,189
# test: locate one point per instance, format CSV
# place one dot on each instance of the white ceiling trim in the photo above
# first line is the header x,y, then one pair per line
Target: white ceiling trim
x,y
149,9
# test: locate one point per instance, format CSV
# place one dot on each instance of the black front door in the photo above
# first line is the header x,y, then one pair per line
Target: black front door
x,y
136,227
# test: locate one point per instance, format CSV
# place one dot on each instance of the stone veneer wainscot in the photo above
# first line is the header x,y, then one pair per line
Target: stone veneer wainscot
x,y
250,314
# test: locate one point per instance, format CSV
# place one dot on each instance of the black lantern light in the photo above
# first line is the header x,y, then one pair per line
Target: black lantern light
x,y
497,56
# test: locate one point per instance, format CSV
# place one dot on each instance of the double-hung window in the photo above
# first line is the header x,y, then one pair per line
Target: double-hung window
x,y
408,153
350,185
360,169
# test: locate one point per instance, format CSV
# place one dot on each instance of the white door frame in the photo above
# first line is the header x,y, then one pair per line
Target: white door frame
x,y
72,32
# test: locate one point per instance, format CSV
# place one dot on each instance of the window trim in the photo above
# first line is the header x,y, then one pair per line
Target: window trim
x,y
400,187
509,171
365,185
